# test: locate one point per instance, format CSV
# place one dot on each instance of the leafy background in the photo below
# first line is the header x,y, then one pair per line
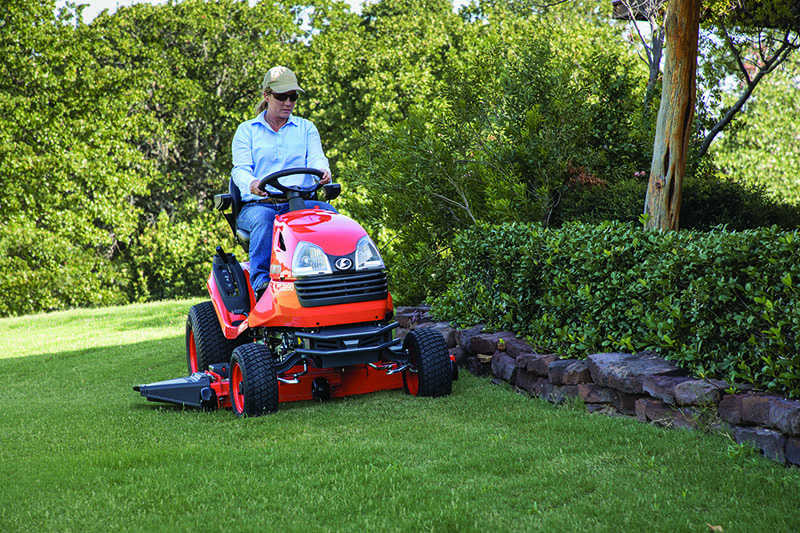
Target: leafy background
x,y
498,155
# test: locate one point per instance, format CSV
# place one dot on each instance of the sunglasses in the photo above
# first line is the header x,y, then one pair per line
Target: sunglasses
x,y
283,96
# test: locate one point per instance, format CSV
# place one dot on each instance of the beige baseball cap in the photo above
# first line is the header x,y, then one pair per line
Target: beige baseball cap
x,y
281,80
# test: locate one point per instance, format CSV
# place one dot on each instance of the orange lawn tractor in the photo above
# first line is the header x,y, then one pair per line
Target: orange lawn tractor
x,y
323,327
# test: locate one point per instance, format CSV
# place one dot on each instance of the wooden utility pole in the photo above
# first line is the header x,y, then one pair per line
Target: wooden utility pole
x,y
675,116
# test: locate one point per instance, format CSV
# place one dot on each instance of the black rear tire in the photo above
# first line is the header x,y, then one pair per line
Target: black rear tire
x,y
253,381
205,342
430,373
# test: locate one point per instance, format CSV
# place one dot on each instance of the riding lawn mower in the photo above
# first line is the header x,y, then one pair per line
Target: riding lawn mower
x,y
323,328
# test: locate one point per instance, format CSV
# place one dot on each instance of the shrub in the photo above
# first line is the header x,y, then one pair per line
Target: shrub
x,y
593,203
707,202
710,201
490,280
41,271
172,259
723,303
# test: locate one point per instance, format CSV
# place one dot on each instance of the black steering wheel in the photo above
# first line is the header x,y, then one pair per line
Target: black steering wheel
x,y
272,180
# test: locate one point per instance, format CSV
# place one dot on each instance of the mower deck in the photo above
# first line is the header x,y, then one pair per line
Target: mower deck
x,y
211,389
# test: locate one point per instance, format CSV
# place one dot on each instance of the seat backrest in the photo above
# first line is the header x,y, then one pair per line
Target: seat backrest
x,y
236,206
230,205
236,199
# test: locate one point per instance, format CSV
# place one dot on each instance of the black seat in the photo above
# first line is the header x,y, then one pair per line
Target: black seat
x,y
242,236
230,205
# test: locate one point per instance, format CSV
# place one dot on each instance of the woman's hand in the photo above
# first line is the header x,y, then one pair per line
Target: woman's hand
x,y
326,176
255,190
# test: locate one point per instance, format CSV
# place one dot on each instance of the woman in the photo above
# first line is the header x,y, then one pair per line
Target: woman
x,y
274,140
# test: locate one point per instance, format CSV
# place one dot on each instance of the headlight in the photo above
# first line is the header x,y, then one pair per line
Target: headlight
x,y
367,256
309,260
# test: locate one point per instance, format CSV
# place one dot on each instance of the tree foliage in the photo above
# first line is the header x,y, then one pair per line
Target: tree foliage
x,y
745,42
775,23
763,146
522,109
67,168
115,134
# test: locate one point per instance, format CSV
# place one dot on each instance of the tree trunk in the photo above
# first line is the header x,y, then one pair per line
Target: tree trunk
x,y
675,116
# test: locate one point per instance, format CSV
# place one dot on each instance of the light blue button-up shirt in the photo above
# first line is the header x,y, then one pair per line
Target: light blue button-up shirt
x,y
258,151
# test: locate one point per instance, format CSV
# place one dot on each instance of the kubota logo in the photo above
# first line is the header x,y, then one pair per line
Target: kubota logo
x,y
343,263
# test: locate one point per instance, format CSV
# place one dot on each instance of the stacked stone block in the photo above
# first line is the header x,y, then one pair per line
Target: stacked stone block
x,y
643,385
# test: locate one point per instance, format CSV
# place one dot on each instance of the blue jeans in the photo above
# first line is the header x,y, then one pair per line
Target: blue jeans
x,y
258,219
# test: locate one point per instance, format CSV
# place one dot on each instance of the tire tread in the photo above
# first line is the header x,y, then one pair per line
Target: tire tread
x,y
258,371
212,345
433,362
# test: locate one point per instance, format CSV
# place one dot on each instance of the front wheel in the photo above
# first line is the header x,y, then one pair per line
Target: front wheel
x,y
430,373
205,342
253,381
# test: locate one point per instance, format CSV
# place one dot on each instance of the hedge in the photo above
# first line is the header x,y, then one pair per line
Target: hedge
x,y
723,304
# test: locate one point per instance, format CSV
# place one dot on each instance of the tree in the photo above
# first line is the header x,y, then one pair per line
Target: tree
x,y
524,104
193,69
755,51
192,72
662,206
67,171
651,12
367,71
675,116
114,136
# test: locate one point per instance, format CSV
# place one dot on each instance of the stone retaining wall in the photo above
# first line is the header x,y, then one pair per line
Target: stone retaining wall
x,y
643,385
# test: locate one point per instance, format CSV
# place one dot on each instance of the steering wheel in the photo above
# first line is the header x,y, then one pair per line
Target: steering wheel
x,y
272,180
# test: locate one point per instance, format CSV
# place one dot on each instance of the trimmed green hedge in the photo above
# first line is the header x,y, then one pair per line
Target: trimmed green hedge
x,y
722,303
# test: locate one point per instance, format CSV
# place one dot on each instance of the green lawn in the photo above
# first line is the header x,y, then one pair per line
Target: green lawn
x,y
82,452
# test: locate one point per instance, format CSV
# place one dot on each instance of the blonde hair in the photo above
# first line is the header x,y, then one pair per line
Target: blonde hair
x,y
263,105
